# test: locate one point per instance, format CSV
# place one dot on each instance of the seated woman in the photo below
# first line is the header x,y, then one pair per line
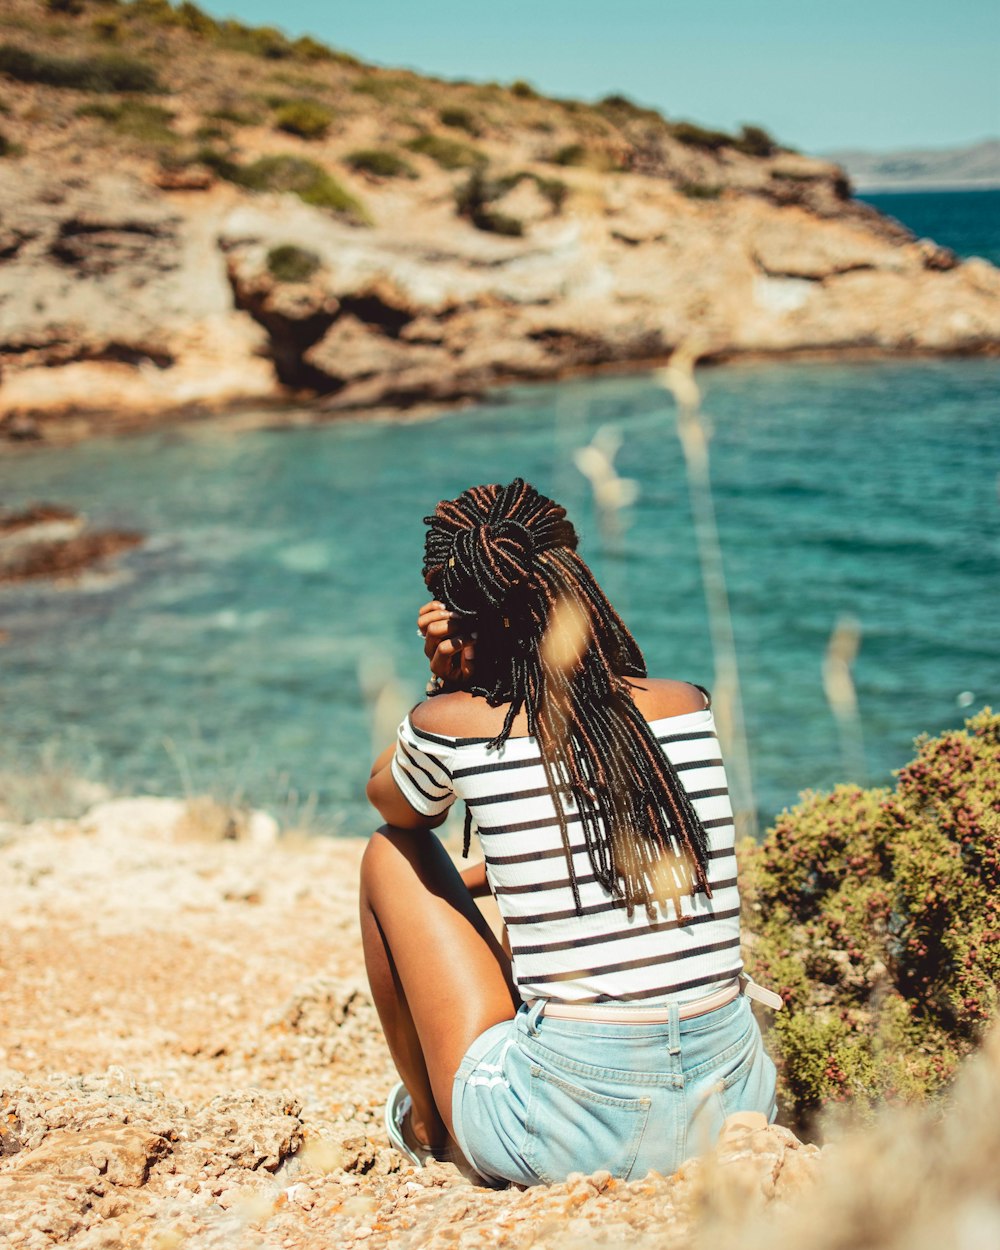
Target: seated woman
x,y
612,1033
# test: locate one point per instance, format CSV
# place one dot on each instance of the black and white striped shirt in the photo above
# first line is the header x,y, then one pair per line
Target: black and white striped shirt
x,y
601,954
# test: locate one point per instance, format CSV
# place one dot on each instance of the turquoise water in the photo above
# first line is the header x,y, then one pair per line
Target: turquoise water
x,y
966,221
283,570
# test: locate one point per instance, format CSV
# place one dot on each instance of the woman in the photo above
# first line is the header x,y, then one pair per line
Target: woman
x,y
614,1034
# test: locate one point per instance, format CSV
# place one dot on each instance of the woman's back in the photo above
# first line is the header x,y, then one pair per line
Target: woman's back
x,y
597,952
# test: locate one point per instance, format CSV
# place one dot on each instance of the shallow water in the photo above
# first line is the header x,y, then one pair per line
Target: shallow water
x,y
282,573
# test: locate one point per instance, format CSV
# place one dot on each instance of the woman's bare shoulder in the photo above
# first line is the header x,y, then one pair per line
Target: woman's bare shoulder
x,y
658,697
463,715
458,715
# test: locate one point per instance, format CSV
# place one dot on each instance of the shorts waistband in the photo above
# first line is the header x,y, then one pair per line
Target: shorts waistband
x,y
612,1013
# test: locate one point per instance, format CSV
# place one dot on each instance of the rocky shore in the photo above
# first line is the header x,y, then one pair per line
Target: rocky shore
x,y
246,235
190,1058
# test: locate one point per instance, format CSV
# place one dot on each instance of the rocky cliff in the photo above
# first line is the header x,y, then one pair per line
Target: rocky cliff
x,y
196,214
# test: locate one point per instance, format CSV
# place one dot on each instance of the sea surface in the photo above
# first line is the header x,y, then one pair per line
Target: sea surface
x,y
966,221
262,641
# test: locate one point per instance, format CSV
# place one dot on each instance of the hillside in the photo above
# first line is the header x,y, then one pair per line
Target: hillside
x,y
195,214
977,165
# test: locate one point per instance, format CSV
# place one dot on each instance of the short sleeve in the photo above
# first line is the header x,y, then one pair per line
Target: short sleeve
x,y
420,767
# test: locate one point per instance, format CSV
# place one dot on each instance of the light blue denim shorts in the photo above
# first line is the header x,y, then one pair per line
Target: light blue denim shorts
x,y
536,1098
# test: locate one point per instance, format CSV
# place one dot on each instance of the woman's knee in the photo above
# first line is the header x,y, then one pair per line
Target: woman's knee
x,y
391,853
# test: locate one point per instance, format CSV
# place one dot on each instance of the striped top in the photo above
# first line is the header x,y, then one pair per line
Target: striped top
x,y
603,954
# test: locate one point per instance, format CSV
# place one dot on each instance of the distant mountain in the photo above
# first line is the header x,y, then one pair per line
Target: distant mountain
x,y
922,168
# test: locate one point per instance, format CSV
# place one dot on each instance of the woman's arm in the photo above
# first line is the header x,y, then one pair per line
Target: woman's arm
x,y
475,880
451,657
388,800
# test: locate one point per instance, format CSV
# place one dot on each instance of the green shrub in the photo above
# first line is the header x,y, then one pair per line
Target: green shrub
x,y
700,190
448,153
6,147
210,132
301,83
476,197
755,141
237,116
158,11
523,90
554,190
474,201
876,914
107,26
459,119
701,137
306,118
619,108
262,41
294,174
71,7
288,263
306,48
135,118
220,163
381,162
190,17
571,154
113,72
380,87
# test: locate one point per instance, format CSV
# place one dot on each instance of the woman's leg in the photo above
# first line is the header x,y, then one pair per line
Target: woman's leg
x,y
438,976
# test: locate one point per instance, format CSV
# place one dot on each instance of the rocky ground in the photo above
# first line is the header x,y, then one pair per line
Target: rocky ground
x,y
189,1058
494,235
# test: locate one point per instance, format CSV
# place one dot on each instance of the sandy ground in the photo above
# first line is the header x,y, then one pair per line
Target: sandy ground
x,y
189,1057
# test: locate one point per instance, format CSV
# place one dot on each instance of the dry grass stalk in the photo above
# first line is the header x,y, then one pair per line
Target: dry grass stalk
x,y
678,378
838,686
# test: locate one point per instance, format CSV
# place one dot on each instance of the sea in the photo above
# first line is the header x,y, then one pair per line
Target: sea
x,y
261,644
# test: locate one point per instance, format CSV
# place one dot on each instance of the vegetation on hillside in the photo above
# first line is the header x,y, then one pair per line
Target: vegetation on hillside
x,y
111,72
304,178
303,90
876,915
290,263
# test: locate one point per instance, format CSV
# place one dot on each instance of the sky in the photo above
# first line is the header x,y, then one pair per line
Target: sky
x,y
874,74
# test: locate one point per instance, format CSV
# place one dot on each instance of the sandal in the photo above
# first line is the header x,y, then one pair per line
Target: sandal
x,y
399,1127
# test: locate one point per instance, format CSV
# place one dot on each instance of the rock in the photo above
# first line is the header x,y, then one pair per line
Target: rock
x,y
114,299
195,820
184,178
139,818
47,541
134,289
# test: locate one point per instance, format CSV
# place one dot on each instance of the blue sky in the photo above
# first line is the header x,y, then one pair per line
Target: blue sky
x,y
855,73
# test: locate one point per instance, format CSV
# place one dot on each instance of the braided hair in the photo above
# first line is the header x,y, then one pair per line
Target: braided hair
x,y
506,556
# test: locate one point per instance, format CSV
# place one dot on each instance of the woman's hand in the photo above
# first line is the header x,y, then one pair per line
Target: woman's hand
x,y
448,642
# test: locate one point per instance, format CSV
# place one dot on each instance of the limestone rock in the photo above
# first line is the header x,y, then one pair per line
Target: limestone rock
x,y
112,297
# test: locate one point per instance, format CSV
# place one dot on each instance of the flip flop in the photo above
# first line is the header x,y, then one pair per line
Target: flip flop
x,y
399,1128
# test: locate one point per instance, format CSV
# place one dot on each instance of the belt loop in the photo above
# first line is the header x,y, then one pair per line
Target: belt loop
x,y
535,1012
674,1029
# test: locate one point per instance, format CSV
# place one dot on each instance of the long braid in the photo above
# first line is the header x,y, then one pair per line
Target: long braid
x,y
506,556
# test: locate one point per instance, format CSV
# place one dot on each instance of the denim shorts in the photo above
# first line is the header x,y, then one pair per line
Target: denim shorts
x,y
536,1098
